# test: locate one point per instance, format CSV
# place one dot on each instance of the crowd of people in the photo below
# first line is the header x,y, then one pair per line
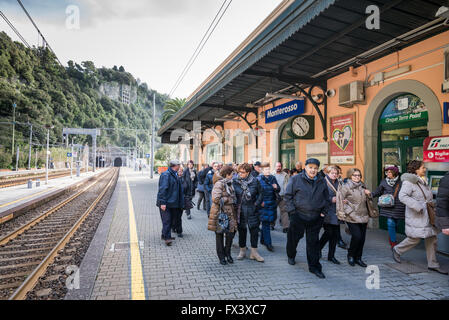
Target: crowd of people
x,y
250,198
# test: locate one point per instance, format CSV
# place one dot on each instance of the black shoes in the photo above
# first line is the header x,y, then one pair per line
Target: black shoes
x,y
189,217
438,270
261,241
229,259
360,262
285,230
342,244
223,261
180,235
319,274
333,260
351,261
272,228
270,247
291,261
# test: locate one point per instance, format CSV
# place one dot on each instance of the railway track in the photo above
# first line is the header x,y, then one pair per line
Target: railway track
x,y
27,253
12,182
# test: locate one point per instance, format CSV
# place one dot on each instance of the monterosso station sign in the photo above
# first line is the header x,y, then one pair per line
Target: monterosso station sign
x,y
436,149
284,111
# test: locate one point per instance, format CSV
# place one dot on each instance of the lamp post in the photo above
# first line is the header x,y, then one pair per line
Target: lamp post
x,y
48,127
13,125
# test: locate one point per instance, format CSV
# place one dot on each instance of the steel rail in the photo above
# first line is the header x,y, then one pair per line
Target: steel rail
x,y
32,279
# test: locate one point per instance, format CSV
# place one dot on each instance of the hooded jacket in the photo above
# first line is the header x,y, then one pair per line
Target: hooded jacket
x,y
417,223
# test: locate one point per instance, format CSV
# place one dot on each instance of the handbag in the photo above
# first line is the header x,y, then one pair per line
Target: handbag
x,y
223,220
430,207
372,210
387,200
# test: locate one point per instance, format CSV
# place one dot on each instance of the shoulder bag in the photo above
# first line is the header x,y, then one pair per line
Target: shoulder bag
x,y
430,207
387,200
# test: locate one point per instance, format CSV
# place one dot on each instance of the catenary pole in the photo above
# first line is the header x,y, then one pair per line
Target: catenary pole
x,y
152,136
29,151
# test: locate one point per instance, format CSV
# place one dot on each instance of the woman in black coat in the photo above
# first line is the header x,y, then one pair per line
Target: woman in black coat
x,y
187,187
442,214
331,224
190,174
391,185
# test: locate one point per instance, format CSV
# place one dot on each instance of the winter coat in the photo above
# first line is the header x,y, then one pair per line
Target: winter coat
x,y
254,173
396,212
187,187
200,187
219,193
186,174
269,210
247,209
202,174
417,223
331,217
215,178
356,210
442,215
285,181
208,181
170,191
306,197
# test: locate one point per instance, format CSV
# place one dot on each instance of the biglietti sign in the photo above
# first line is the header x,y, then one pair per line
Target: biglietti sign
x,y
436,149
284,111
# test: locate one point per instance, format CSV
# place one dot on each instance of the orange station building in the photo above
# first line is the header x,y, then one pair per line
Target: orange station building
x,y
370,97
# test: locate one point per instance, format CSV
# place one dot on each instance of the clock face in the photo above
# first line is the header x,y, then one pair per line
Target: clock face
x,y
300,126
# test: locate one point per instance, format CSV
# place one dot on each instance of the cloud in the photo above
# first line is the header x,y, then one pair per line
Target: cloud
x,y
96,12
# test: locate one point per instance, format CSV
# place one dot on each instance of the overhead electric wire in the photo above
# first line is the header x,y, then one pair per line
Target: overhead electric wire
x,y
45,42
15,30
200,46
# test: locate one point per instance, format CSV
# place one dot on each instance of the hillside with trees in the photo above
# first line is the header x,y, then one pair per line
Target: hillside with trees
x,y
47,93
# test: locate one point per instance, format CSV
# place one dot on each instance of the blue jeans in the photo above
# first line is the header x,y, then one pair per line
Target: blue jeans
x,y
166,217
266,233
208,197
392,225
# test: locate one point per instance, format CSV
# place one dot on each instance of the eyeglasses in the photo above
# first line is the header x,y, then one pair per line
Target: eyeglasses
x,y
242,172
356,175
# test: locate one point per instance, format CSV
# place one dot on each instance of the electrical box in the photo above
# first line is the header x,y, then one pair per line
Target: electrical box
x,y
351,93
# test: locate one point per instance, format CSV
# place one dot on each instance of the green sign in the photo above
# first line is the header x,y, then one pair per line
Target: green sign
x,y
404,108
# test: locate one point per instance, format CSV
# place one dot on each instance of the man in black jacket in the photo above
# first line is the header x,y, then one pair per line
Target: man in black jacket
x,y
307,202
170,199
442,214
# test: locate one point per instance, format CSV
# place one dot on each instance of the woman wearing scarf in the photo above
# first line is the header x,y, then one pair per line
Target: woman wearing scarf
x,y
352,208
190,174
268,210
415,194
249,197
223,200
391,185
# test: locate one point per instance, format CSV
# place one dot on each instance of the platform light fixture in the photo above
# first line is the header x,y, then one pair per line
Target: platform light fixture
x,y
282,96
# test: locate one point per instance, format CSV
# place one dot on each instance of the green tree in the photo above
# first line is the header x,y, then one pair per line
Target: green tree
x,y
171,107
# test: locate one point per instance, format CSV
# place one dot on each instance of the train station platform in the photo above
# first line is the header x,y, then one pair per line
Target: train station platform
x,y
128,260
17,197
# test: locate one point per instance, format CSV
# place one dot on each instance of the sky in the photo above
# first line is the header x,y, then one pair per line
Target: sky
x,y
152,39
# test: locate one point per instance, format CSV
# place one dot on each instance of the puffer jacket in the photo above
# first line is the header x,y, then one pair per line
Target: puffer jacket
x,y
396,212
417,223
219,193
442,215
247,212
269,210
306,197
356,210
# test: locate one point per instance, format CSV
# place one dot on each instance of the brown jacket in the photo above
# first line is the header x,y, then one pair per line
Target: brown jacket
x,y
355,211
219,192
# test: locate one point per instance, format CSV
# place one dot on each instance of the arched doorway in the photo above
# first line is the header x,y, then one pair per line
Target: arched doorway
x,y
286,148
118,162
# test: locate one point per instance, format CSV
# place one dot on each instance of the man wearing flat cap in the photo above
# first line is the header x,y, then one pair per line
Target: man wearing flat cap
x,y
170,199
307,202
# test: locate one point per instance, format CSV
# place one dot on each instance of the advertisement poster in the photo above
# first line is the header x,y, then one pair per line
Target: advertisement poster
x,y
342,143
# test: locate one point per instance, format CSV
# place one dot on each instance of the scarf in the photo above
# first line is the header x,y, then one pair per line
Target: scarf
x,y
244,184
229,189
392,182
192,174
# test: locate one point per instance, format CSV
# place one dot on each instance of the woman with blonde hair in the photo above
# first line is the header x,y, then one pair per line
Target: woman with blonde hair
x,y
352,208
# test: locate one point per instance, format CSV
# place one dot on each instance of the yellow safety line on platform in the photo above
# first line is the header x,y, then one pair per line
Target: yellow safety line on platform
x,y
137,284
24,198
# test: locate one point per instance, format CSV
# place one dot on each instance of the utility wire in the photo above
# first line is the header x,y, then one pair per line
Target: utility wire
x,y
200,46
15,30
45,42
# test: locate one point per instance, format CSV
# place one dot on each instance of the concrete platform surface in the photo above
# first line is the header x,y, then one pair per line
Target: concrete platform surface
x,y
128,260
15,196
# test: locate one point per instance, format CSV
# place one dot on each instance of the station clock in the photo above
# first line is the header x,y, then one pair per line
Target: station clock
x,y
302,127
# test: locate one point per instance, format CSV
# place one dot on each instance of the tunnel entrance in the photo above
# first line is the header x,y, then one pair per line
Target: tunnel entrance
x,y
118,162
